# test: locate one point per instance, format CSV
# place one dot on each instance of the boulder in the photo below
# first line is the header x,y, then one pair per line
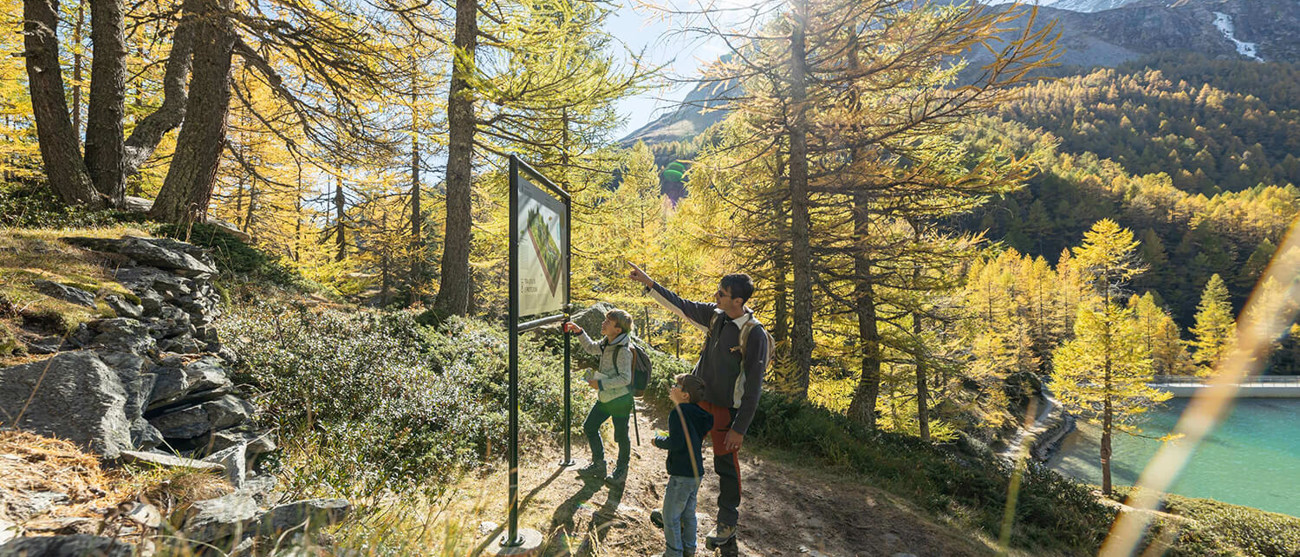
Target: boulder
x,y
123,307
79,545
166,254
303,516
123,334
169,461
144,435
233,461
228,411
257,442
79,398
177,381
133,204
225,517
185,423
589,319
65,293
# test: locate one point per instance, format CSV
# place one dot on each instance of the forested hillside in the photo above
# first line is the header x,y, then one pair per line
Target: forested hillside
x,y
1196,155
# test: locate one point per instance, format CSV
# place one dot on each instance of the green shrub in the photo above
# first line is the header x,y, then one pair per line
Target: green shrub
x,y
34,205
1222,528
386,402
234,257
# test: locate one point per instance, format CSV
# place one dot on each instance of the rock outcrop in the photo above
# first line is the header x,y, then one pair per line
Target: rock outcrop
x,y
150,386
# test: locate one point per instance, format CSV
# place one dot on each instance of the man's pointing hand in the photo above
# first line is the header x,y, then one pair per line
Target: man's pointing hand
x,y
638,275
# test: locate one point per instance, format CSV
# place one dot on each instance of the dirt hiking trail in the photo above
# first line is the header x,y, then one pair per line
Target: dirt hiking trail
x,y
786,509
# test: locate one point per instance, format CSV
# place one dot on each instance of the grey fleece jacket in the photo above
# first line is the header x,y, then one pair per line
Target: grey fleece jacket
x,y
614,376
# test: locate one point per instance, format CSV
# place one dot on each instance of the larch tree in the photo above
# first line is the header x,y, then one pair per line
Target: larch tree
x,y
1215,330
545,84
1103,372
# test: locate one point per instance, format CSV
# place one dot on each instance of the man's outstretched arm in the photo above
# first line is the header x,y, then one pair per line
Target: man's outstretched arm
x,y
696,313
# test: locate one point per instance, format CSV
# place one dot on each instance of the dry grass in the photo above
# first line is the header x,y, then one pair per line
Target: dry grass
x,y
32,464
28,255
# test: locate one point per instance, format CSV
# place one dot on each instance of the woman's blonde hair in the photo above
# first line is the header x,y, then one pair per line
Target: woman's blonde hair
x,y
622,319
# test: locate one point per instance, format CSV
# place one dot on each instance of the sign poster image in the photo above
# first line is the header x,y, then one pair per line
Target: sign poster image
x,y
542,271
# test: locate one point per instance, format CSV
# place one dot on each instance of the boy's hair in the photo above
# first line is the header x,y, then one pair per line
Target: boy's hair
x,y
622,319
739,284
692,385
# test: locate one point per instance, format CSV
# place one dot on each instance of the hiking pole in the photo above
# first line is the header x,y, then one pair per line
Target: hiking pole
x,y
635,426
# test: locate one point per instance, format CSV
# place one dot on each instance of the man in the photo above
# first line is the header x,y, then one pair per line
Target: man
x,y
733,380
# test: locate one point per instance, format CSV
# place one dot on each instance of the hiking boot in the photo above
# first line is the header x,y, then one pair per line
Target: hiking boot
x,y
594,470
657,518
618,476
720,536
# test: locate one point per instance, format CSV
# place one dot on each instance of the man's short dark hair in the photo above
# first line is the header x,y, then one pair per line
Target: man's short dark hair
x,y
739,284
692,385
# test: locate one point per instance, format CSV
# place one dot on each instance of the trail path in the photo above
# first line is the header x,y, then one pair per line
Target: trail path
x,y
787,509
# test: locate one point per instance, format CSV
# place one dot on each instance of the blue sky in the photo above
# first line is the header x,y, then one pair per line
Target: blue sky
x,y
642,30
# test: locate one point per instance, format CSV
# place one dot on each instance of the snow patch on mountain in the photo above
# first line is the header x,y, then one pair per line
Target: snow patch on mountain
x,y
1224,23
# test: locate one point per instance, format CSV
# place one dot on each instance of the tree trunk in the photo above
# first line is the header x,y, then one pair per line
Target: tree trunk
x,y
60,151
107,109
454,291
1105,449
78,60
800,249
862,408
339,213
781,261
922,390
149,132
417,241
188,188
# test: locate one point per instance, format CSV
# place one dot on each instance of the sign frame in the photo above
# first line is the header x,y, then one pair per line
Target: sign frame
x,y
519,169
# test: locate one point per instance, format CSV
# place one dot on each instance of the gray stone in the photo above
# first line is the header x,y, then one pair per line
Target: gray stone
x,y
144,435
79,398
228,411
26,506
123,334
218,519
185,423
262,488
165,254
133,204
65,293
123,307
145,515
589,319
233,461
45,345
80,545
257,442
169,461
177,380
151,303
304,516
184,344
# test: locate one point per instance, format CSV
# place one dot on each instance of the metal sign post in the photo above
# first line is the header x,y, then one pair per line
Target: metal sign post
x,y
548,265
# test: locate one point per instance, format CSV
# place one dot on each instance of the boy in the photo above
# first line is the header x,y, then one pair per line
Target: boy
x,y
612,380
687,425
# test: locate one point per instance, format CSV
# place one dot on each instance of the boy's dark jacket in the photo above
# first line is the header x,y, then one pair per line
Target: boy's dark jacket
x,y
682,450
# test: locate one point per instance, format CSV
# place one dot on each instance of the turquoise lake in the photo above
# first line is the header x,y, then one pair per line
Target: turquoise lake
x,y
1251,459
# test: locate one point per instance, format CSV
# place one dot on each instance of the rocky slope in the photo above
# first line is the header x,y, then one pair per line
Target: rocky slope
x,y
147,386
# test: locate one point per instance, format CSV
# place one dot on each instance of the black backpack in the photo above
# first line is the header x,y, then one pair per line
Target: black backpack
x,y
640,369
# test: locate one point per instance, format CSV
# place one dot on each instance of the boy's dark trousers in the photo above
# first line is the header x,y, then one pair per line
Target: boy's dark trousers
x,y
725,464
618,410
